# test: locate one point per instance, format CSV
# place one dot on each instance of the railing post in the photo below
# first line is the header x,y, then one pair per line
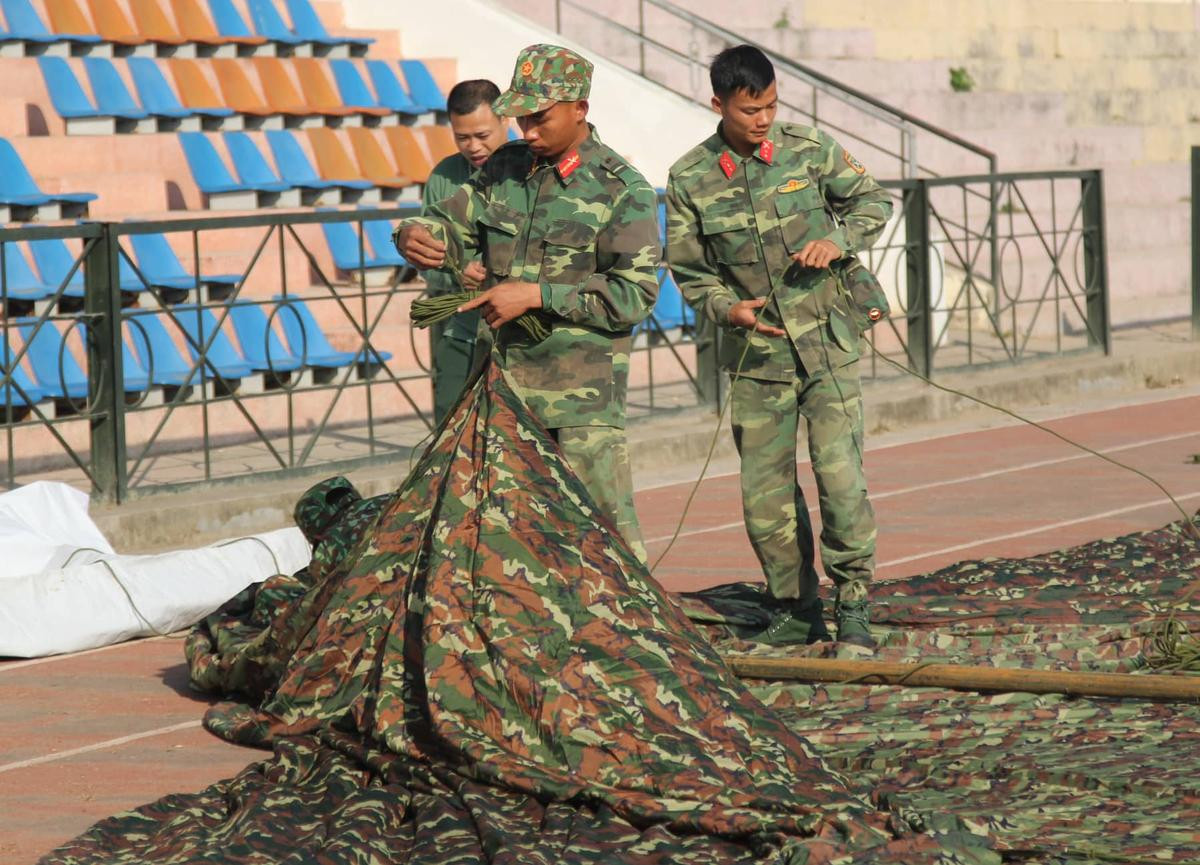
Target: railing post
x,y
916,245
558,16
1095,260
102,304
1196,243
642,40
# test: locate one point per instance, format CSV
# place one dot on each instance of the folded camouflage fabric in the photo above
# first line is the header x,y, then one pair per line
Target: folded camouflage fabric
x,y
489,674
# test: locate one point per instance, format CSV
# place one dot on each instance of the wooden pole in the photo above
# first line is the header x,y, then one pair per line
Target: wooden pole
x,y
962,678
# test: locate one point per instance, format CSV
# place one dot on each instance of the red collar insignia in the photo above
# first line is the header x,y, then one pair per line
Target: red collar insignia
x,y
766,151
727,164
568,164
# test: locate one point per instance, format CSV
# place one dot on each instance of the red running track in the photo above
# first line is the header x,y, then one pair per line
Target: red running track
x,y
86,735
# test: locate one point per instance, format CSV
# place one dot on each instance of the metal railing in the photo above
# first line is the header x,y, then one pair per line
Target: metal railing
x,y
89,397
673,47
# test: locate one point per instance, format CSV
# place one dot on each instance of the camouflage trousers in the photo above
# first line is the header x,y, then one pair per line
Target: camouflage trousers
x,y
600,457
450,368
766,418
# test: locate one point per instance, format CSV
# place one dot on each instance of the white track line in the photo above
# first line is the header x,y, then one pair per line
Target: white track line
x,y
963,479
1038,530
901,444
98,746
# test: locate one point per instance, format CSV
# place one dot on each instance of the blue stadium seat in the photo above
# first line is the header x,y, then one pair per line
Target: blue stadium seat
x,y
158,97
252,168
269,24
295,168
159,264
112,96
379,236
222,355
54,367
128,280
54,261
228,20
18,189
421,85
20,283
156,351
351,86
261,346
75,107
308,26
389,91
28,392
306,339
214,179
24,25
343,245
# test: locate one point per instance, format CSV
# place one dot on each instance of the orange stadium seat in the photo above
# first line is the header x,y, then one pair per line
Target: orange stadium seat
x,y
281,94
320,94
441,142
66,17
333,163
195,26
112,24
239,92
373,161
151,22
408,154
195,91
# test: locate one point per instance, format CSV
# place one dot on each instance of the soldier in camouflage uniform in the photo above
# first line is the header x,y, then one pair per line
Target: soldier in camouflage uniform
x,y
478,132
764,220
566,229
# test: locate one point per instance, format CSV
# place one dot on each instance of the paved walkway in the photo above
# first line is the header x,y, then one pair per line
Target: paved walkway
x,y
86,735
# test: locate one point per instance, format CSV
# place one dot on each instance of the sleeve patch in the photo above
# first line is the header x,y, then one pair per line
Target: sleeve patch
x,y
855,166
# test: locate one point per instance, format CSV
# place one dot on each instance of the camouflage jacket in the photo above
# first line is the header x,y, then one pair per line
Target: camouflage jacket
x,y
733,223
449,174
585,230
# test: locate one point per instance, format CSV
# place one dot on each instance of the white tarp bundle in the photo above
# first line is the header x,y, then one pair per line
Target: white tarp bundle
x,y
63,589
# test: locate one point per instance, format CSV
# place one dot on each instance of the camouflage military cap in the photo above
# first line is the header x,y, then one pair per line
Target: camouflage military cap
x,y
544,74
322,505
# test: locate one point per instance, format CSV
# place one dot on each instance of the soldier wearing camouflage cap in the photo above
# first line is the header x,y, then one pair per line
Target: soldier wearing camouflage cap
x,y
776,211
566,230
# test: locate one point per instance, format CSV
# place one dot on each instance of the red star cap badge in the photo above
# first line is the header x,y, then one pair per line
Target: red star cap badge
x,y
727,164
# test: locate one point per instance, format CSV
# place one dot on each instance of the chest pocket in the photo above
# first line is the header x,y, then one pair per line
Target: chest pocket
x,y
569,252
499,228
728,234
802,217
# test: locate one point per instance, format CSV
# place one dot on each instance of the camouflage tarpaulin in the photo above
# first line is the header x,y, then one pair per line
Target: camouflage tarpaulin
x,y
486,673
1050,778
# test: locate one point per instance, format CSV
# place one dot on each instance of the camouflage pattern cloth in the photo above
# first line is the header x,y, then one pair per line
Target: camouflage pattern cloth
x,y
732,225
490,675
244,646
1051,778
544,74
451,342
765,415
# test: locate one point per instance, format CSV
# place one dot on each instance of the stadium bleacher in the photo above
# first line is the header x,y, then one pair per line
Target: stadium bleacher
x,y
308,116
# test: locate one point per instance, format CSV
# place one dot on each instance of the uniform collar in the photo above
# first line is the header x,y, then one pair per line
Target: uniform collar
x,y
573,159
728,161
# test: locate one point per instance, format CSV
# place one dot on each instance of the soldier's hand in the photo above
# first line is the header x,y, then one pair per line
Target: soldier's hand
x,y
420,247
473,275
744,313
501,303
818,253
